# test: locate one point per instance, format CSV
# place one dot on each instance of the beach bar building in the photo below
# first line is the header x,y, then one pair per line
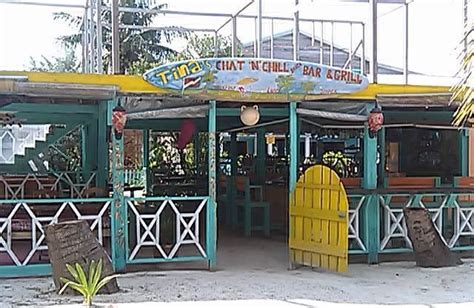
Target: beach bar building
x,y
171,166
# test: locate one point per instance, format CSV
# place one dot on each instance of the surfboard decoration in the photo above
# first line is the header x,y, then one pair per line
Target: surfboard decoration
x,y
248,77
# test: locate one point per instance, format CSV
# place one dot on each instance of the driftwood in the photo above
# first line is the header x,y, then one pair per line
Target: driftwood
x,y
73,242
429,248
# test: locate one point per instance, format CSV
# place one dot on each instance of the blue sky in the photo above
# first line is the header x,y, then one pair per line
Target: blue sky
x,y
435,28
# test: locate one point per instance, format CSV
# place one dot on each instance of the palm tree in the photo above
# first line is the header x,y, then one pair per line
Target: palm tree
x,y
285,82
140,49
463,91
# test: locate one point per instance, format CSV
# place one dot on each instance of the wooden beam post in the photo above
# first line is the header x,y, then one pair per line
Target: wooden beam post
x,y
371,211
119,207
211,234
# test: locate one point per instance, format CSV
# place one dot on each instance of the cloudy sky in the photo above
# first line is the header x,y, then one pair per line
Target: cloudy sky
x,y
435,28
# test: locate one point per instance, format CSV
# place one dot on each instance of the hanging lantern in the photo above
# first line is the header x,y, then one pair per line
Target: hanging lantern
x,y
375,120
249,116
186,134
119,119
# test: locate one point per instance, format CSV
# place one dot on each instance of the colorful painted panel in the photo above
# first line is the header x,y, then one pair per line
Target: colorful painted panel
x,y
250,78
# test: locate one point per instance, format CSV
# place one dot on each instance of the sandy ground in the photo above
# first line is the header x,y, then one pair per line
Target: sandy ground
x,y
257,269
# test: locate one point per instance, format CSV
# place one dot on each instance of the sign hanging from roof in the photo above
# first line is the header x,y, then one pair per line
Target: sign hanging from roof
x,y
254,79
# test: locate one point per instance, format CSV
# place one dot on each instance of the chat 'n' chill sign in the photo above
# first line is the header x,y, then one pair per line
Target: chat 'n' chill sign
x,y
254,76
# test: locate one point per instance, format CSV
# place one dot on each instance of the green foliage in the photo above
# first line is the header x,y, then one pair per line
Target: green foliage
x,y
87,285
140,49
66,63
204,47
65,154
308,86
285,82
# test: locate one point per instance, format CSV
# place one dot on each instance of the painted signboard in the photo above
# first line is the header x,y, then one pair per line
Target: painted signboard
x,y
246,78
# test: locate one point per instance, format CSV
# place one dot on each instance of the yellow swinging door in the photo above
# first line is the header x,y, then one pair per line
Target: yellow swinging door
x,y
318,221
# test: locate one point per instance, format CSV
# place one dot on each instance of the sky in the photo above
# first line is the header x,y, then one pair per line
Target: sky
x,y
435,28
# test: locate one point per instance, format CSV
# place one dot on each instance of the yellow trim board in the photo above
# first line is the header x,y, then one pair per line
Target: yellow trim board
x,y
136,84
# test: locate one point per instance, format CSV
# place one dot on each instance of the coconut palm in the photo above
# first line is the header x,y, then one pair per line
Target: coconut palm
x,y
463,91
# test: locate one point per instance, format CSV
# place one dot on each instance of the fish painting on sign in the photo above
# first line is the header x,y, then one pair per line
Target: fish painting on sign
x,y
254,79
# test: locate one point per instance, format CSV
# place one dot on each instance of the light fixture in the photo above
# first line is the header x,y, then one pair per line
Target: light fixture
x,y
375,120
249,115
119,119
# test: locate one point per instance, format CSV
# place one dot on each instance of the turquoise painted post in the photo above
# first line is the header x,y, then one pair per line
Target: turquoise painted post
x,y
381,165
119,208
102,147
371,211
294,140
293,145
211,234
146,157
464,152
261,154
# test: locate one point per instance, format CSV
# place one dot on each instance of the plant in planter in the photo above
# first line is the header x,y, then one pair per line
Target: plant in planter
x,y
87,285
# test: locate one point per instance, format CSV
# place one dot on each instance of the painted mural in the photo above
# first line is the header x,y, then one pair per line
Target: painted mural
x,y
250,77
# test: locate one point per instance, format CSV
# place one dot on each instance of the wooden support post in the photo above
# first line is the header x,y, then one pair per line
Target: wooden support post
x,y
119,208
371,211
261,153
211,236
145,156
293,168
102,147
294,140
381,151
463,152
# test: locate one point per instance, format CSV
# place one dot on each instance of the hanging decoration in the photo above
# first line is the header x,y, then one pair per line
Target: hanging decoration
x,y
119,120
249,116
375,120
188,127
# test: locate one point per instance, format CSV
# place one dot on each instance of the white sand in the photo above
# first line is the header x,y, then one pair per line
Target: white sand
x,y
257,269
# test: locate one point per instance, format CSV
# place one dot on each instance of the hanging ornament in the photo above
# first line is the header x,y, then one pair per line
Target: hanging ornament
x,y
188,127
375,120
119,119
249,116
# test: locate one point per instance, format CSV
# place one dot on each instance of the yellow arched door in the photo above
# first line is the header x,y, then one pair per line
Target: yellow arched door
x,y
318,221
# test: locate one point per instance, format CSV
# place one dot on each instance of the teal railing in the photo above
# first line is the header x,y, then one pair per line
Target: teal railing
x,y
23,249
170,229
452,212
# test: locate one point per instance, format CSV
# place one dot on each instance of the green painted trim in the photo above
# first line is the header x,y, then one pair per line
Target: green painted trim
x,y
211,225
162,260
264,112
45,118
464,152
395,250
13,271
357,252
56,200
51,108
